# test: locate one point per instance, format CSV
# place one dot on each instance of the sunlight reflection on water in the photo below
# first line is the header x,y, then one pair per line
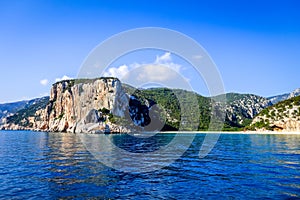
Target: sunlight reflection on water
x,y
54,165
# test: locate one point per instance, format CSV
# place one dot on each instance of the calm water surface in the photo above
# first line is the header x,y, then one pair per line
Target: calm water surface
x,y
38,165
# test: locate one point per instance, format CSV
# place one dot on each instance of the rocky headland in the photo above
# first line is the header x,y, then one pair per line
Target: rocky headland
x,y
76,106
105,105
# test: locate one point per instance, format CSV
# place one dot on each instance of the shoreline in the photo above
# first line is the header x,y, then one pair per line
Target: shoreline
x,y
189,132
237,132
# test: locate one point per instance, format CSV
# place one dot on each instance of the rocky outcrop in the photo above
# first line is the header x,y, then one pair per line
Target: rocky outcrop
x,y
74,106
242,108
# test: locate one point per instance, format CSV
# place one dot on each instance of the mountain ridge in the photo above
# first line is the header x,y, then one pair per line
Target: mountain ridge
x,y
281,97
9,109
240,109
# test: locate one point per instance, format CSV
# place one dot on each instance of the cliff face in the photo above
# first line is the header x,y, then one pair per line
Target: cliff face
x,y
105,105
76,107
283,116
246,107
242,108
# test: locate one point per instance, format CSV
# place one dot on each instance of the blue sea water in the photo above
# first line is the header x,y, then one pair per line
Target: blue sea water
x,y
40,165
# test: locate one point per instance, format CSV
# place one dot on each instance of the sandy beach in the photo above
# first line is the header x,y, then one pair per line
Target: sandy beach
x,y
237,132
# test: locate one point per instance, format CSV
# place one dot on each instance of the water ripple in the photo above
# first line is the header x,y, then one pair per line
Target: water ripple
x,y
38,165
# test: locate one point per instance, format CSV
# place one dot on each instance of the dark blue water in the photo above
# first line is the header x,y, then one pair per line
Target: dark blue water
x,y
38,165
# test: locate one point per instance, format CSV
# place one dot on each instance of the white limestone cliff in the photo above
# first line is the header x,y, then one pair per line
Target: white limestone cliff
x,y
74,107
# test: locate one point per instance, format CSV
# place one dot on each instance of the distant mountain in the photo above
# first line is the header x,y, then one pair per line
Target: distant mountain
x,y
284,116
9,109
282,97
295,93
21,116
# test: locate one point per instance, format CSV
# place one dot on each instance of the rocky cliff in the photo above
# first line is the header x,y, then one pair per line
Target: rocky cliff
x,y
104,105
242,108
283,116
75,106
107,105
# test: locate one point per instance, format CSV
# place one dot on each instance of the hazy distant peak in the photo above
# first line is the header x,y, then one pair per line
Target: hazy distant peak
x,y
282,97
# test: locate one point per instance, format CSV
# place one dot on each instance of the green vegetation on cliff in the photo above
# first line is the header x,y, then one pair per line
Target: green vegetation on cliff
x,y
242,108
176,108
279,113
168,101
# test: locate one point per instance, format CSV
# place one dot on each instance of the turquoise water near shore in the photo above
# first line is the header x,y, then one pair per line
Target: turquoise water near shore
x,y
35,165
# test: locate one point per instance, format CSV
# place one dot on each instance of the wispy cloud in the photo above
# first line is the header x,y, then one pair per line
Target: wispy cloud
x,y
197,57
164,58
44,82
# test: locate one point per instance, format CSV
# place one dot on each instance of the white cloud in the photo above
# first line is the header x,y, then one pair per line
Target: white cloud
x,y
118,72
156,72
164,58
62,78
44,82
161,69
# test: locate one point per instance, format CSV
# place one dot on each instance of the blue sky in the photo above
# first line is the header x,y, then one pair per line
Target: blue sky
x,y
255,44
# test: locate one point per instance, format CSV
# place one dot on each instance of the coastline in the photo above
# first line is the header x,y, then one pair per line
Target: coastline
x,y
184,132
236,132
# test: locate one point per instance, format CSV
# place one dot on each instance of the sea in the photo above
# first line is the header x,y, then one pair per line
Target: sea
x,y
42,165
